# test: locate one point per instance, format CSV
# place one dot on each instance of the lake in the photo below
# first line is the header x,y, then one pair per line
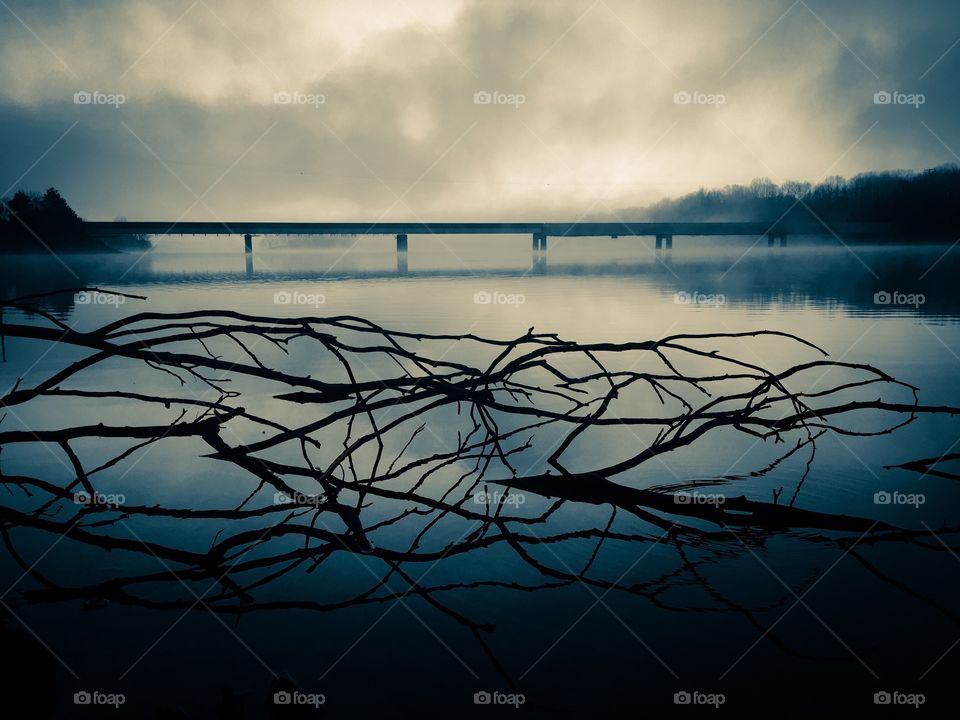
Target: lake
x,y
785,617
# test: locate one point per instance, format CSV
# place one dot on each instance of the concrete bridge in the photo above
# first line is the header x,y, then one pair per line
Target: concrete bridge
x,y
663,232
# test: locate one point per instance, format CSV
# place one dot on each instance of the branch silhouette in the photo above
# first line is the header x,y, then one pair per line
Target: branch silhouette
x,y
338,436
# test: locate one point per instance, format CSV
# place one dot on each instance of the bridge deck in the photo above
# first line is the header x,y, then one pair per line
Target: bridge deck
x,y
575,229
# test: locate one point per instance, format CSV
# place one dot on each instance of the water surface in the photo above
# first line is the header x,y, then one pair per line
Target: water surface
x,y
699,627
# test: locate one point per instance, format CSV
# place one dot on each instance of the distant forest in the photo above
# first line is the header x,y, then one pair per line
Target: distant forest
x,y
919,202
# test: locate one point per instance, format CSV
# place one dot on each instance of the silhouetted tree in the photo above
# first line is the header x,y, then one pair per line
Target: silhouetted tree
x,y
43,223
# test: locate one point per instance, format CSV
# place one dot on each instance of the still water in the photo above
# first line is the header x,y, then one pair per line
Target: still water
x,y
787,620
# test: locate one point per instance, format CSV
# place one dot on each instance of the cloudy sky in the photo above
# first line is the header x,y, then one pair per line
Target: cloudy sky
x,y
461,109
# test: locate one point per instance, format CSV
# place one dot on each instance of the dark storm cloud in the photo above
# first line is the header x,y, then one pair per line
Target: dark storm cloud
x,y
399,133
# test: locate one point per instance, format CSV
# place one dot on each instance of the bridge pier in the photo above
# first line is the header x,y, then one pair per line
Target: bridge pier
x,y
539,243
248,243
540,252
401,242
774,235
668,239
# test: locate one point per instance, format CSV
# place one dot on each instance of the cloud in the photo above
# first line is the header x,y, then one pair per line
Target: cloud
x,y
398,133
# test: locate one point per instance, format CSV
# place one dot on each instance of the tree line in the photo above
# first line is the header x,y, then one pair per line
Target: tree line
x,y
920,202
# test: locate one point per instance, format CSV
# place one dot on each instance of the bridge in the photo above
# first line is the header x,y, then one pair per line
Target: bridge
x,y
663,232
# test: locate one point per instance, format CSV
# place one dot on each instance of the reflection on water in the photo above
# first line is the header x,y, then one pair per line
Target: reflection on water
x,y
818,274
628,595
